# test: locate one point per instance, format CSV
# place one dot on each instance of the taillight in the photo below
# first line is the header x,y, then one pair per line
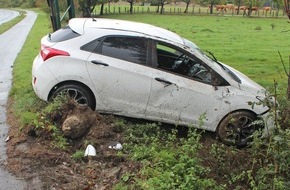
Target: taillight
x,y
48,52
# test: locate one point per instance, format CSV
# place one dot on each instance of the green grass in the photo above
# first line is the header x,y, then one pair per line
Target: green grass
x,y
21,91
7,25
250,45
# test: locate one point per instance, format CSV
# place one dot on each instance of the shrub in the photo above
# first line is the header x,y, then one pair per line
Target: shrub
x,y
168,161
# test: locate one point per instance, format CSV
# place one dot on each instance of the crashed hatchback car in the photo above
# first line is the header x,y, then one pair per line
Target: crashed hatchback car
x,y
143,71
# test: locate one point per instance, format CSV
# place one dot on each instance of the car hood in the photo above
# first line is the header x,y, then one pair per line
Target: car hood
x,y
247,84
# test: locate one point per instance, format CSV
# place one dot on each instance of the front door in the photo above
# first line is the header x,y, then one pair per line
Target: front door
x,y
181,90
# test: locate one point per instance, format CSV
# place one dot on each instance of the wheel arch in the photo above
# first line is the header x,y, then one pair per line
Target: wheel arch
x,y
71,82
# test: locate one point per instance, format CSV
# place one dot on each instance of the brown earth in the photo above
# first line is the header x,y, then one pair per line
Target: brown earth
x,y
33,157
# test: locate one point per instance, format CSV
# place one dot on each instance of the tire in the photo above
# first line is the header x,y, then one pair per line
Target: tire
x,y
78,93
236,129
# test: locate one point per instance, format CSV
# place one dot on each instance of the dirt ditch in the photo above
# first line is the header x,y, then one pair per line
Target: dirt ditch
x,y
32,156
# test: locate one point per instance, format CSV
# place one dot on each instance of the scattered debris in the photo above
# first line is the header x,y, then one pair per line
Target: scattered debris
x,y
116,146
90,151
7,139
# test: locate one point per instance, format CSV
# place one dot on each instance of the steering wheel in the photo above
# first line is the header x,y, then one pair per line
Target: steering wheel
x,y
204,75
179,61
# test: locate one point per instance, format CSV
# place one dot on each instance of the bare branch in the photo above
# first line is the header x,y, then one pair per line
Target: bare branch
x,y
287,73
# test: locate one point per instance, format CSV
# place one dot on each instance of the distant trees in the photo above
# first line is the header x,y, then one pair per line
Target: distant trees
x,y
211,4
131,6
162,3
187,4
4,3
287,10
18,3
87,7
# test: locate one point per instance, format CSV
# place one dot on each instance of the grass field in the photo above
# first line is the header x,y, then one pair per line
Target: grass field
x,y
250,45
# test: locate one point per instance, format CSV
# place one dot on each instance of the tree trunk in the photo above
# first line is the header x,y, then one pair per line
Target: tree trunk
x,y
186,8
288,89
162,7
131,7
86,12
211,9
102,9
286,5
250,10
238,11
157,10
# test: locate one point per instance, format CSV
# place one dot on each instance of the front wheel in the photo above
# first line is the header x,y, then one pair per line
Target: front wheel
x,y
237,128
77,93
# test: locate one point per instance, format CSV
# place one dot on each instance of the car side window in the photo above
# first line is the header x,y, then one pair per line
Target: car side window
x,y
91,46
174,60
177,61
133,49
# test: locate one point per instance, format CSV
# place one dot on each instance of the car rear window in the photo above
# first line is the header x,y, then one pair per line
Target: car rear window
x,y
63,34
131,49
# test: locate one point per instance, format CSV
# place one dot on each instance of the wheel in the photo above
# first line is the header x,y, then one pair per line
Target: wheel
x,y
237,128
76,92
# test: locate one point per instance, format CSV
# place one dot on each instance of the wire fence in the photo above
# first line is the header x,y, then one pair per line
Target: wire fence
x,y
274,13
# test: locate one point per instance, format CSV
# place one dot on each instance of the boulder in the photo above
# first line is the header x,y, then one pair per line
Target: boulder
x,y
74,127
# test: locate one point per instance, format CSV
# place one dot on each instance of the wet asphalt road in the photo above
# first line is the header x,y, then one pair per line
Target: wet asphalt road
x,y
7,15
11,43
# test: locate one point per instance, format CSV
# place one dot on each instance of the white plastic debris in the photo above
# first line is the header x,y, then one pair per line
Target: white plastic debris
x,y
116,146
90,151
7,139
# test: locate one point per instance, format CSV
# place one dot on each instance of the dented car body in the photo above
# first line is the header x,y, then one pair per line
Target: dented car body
x,y
142,71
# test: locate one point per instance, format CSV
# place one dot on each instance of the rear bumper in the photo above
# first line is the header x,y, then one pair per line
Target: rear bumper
x,y
41,78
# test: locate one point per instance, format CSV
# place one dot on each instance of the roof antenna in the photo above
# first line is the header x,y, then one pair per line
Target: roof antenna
x,y
94,19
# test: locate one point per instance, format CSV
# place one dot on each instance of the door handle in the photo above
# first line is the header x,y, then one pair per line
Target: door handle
x,y
99,63
165,82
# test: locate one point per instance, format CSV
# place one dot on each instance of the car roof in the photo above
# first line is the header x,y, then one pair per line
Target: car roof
x,y
79,24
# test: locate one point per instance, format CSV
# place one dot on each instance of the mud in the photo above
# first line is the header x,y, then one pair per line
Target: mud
x,y
35,158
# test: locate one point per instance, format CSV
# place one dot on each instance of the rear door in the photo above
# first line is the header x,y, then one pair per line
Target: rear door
x,y
117,68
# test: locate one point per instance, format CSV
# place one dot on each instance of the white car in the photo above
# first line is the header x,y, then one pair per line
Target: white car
x,y
142,71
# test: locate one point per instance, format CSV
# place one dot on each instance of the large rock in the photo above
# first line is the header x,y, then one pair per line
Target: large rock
x,y
73,127
78,120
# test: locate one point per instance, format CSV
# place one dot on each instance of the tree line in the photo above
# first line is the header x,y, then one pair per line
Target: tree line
x,y
86,7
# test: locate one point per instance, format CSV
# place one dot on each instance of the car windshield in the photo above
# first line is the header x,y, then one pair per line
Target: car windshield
x,y
212,58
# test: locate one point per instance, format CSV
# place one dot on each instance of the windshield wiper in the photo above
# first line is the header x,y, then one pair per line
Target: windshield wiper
x,y
213,57
231,73
215,60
